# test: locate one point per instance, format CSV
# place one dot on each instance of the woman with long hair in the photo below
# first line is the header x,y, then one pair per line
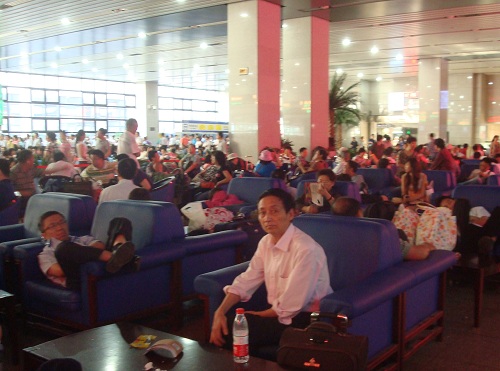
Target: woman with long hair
x,y
413,182
494,146
81,147
223,175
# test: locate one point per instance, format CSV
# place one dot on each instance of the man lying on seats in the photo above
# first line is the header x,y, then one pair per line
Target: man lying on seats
x,y
63,254
291,265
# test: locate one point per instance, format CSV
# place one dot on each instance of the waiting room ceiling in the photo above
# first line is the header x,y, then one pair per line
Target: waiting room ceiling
x,y
145,40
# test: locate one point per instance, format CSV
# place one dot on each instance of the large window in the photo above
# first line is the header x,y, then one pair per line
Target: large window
x,y
51,103
177,105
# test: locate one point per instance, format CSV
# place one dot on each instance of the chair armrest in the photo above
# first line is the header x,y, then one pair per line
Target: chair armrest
x,y
8,246
27,256
12,232
212,283
361,297
436,263
214,241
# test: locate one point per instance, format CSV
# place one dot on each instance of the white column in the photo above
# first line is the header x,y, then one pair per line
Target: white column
x,y
147,110
433,96
305,82
254,76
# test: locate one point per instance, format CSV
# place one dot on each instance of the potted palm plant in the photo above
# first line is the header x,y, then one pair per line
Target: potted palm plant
x,y
343,108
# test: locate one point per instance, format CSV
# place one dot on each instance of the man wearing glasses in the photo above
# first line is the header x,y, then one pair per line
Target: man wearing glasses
x,y
318,198
63,254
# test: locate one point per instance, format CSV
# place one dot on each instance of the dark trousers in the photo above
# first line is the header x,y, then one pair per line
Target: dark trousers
x,y
71,256
491,229
263,331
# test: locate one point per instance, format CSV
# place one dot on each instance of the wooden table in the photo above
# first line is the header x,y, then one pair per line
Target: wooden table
x,y
108,348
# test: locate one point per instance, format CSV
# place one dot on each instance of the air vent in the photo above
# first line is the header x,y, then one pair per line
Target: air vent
x,y
118,10
134,55
5,6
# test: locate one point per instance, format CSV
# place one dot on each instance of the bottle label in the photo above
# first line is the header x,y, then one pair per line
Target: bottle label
x,y
240,346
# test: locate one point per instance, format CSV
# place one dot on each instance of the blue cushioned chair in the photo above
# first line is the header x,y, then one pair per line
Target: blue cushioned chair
x,y
164,190
249,190
493,180
348,189
466,167
444,183
77,209
371,283
169,263
379,181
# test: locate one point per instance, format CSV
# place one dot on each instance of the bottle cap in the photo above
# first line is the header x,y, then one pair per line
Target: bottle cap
x,y
240,311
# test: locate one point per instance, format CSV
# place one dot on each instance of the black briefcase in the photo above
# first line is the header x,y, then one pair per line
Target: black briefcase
x,y
323,346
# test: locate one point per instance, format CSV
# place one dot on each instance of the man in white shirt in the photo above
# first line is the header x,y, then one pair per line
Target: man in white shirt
x,y
291,265
121,191
127,143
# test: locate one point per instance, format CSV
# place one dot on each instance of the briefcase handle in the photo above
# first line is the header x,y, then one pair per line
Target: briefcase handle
x,y
339,320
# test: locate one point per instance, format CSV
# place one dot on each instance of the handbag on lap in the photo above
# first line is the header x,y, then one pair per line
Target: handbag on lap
x,y
322,347
82,187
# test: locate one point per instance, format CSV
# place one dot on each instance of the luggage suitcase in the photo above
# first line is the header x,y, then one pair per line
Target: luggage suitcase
x,y
323,346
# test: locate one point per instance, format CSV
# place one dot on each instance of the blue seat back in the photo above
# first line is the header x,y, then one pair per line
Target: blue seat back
x,y
443,179
355,247
479,195
250,189
165,192
376,179
348,189
10,215
152,222
493,180
77,209
466,167
295,182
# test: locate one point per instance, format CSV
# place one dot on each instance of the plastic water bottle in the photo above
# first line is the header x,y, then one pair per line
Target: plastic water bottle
x,y
240,337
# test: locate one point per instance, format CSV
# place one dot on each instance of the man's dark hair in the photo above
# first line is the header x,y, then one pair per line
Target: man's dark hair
x,y
361,150
130,122
220,157
98,153
380,210
287,146
58,156
411,140
439,143
431,135
139,194
346,206
121,156
488,161
5,167
285,197
383,163
46,215
151,155
103,131
379,137
353,165
302,149
388,151
51,135
24,155
328,172
127,168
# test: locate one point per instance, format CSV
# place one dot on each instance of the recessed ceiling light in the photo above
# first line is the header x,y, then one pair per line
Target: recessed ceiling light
x,y
297,64
346,41
65,21
339,71
141,35
461,97
57,48
244,15
203,45
374,50
378,78
399,57
438,68
284,25
126,66
469,77
429,86
493,102
360,75
53,65
490,83
119,56
85,61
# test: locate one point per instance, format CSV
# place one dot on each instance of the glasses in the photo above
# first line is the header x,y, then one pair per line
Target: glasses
x,y
55,225
324,181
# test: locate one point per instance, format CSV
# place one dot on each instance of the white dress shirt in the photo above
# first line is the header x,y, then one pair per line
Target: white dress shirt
x,y
294,271
119,191
128,145
60,168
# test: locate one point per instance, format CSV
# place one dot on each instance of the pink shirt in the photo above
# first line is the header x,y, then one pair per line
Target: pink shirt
x,y
294,271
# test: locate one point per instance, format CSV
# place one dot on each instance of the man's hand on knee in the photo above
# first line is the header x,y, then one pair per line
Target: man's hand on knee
x,y
219,328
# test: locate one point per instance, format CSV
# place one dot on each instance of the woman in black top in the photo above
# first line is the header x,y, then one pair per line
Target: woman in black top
x,y
223,174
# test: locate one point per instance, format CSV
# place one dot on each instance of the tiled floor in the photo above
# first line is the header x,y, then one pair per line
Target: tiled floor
x,y
463,347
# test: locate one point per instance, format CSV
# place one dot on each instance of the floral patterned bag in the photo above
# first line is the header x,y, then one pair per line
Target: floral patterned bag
x,y
438,227
407,220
